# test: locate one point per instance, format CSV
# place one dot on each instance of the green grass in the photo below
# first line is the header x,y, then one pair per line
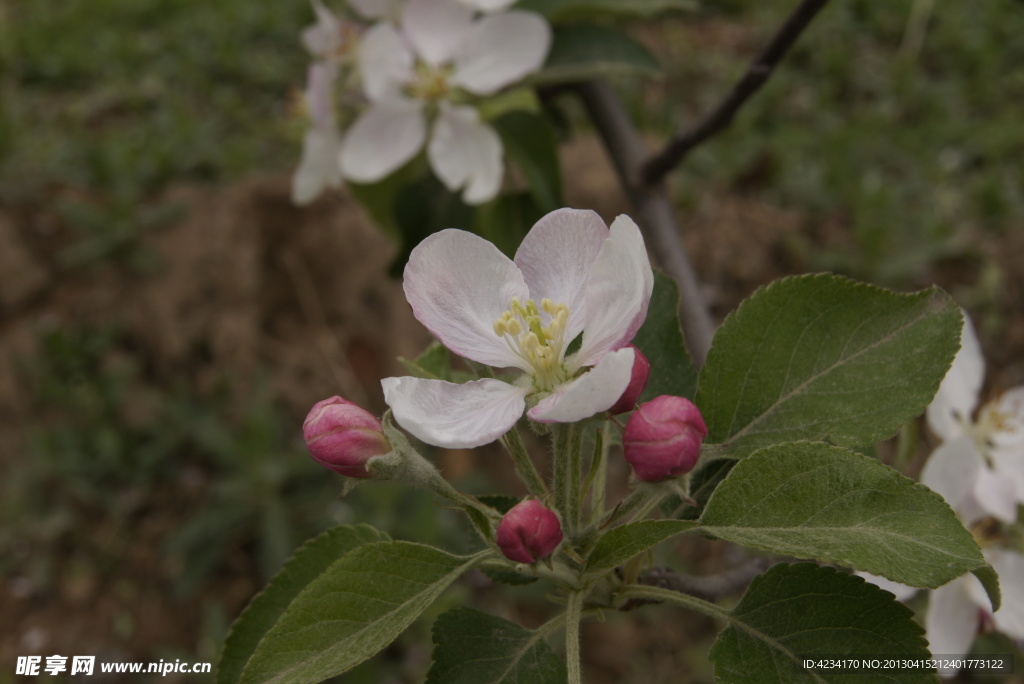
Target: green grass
x,y
125,96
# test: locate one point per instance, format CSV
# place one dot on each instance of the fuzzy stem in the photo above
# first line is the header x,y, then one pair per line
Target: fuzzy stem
x,y
513,444
574,613
567,476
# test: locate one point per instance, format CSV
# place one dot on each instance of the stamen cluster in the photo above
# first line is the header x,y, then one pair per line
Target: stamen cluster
x,y
541,346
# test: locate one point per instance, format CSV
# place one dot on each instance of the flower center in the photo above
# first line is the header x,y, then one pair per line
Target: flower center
x,y
430,82
540,346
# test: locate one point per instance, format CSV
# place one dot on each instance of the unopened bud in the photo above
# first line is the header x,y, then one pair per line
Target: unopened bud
x,y
529,532
663,437
637,381
343,437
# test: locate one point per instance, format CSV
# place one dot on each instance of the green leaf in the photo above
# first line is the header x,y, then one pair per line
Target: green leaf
x,y
506,219
433,364
816,501
473,647
266,608
561,10
661,341
793,612
622,543
352,610
530,143
582,51
822,357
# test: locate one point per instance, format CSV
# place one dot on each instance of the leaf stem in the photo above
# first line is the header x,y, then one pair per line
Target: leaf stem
x,y
573,615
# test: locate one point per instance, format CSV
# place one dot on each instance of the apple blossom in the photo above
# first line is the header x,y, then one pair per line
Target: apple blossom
x,y
529,532
343,437
956,610
588,279
979,467
663,437
420,69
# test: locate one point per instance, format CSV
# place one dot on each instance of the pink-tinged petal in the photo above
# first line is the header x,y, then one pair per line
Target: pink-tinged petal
x,y
501,49
952,621
596,390
995,495
902,592
487,5
382,139
376,9
319,93
436,29
454,416
555,258
618,292
958,394
318,167
458,284
1008,465
385,62
1009,565
465,153
952,469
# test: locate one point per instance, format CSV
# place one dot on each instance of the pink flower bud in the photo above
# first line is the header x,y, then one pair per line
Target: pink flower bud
x,y
663,437
529,532
343,437
637,382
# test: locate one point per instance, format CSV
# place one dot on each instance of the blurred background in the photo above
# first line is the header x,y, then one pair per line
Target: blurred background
x,y
167,317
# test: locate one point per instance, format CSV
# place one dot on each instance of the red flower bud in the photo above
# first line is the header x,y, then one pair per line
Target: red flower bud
x,y
529,532
663,438
637,381
343,437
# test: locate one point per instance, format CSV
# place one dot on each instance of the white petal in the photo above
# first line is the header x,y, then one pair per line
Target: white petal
x,y
958,394
487,5
437,29
376,9
385,62
995,495
952,621
454,416
596,390
901,591
323,38
1010,435
458,284
952,469
618,292
319,93
1009,565
382,139
555,258
466,153
318,168
501,49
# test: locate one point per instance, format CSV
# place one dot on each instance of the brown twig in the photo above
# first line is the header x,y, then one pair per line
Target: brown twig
x,y
658,166
627,151
710,588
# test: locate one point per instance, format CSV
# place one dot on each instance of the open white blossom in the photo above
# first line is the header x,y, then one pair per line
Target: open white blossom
x,y
979,467
420,70
571,276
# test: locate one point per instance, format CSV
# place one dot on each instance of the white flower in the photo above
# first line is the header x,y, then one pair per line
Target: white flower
x,y
417,70
318,167
979,467
956,610
330,38
571,275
